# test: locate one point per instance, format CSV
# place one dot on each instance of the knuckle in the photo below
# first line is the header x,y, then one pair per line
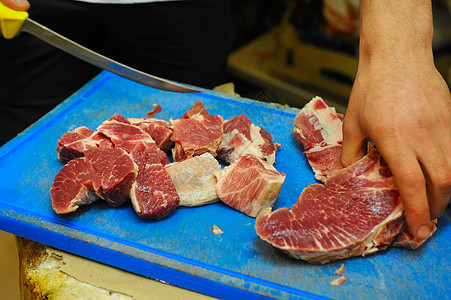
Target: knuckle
x,y
413,178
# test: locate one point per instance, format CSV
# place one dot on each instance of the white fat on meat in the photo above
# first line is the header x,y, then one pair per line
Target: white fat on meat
x,y
194,179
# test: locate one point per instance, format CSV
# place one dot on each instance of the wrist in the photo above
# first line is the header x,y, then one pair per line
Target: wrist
x,y
396,32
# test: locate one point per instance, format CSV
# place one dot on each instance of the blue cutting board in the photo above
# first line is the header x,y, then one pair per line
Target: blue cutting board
x,y
181,249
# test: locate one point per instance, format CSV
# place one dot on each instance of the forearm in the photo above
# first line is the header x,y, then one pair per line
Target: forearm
x,y
396,31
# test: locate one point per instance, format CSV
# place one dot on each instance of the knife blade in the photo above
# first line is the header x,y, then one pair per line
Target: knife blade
x,y
13,22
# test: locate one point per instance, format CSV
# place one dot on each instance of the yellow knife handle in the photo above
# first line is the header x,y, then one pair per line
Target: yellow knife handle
x,y
10,21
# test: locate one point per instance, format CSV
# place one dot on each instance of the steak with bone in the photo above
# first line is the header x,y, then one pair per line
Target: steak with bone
x,y
319,129
357,211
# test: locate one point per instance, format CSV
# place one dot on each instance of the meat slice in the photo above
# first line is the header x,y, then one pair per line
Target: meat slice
x,y
153,194
74,186
249,185
357,212
194,179
242,137
117,173
319,128
195,133
348,216
126,136
160,131
74,143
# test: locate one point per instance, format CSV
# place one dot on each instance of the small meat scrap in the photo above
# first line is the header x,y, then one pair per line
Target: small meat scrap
x,y
153,194
161,131
216,230
338,281
74,143
117,173
249,185
195,133
74,185
156,109
194,179
242,137
340,270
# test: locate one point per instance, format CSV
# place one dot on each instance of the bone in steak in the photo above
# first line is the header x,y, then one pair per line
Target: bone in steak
x,y
153,194
74,143
194,179
117,173
242,137
249,185
348,216
74,185
319,128
357,212
195,133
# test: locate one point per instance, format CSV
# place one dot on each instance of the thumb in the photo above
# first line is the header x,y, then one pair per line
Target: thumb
x,y
354,142
20,5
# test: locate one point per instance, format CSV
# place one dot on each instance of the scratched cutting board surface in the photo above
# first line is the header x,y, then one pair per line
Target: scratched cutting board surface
x,y
181,249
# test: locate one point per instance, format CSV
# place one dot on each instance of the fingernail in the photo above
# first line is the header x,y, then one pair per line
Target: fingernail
x,y
423,232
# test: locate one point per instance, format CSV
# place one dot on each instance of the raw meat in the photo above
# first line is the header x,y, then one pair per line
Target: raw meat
x,y
338,281
194,179
348,216
319,128
242,137
156,109
357,212
74,185
406,240
341,270
153,194
197,110
249,185
117,173
160,131
74,143
195,133
126,136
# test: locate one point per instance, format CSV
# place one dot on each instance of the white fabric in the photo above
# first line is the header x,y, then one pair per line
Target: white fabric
x,y
123,1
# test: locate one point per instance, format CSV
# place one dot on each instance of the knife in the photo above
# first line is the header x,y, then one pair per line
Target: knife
x,y
13,22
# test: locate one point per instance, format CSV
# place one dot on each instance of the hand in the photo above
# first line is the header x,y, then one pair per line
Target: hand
x,y
403,106
21,5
